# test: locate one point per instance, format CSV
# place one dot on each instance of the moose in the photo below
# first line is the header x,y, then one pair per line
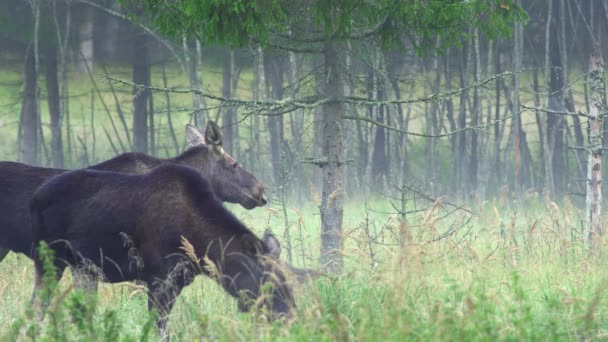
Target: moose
x,y
229,181
161,228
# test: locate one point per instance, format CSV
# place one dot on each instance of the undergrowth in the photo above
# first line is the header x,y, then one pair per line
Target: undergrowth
x,y
502,275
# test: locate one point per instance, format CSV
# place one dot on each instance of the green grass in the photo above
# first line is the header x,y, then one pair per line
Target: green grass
x,y
507,276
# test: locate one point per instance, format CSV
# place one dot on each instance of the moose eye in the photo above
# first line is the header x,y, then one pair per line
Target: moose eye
x,y
235,165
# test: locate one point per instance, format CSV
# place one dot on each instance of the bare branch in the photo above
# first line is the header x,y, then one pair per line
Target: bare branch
x,y
557,112
447,134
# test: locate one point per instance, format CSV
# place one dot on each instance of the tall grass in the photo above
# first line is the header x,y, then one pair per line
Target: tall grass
x,y
508,274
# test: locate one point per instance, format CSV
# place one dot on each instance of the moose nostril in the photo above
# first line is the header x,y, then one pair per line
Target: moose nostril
x,y
263,200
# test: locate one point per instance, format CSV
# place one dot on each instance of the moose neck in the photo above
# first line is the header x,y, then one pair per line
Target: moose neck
x,y
195,157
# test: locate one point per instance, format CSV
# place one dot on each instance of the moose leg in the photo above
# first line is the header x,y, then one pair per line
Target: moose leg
x,y
162,300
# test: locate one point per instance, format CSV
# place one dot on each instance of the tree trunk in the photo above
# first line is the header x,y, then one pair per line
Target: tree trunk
x,y
258,94
497,129
192,67
234,82
462,122
484,174
141,75
556,123
199,84
297,125
541,130
436,123
594,164
549,181
29,112
379,167
517,130
453,186
228,121
476,114
52,88
274,69
401,151
85,40
332,200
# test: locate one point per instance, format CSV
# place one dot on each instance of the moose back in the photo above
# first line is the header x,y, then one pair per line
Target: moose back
x,y
229,181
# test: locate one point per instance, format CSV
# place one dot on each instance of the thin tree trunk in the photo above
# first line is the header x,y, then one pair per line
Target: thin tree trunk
x,y
274,71
63,41
52,88
228,120
518,134
151,124
85,40
29,112
541,130
332,200
93,136
192,67
379,163
297,119
594,164
141,75
168,106
454,139
199,83
475,115
234,82
258,84
555,122
497,130
402,154
549,151
462,122
484,175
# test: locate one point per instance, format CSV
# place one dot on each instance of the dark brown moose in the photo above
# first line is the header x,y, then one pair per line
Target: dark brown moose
x,y
229,181
162,229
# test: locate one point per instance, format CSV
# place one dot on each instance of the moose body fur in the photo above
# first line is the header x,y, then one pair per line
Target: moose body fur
x,y
133,227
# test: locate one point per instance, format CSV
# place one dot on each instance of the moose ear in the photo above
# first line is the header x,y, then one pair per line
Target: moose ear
x,y
194,136
272,244
213,134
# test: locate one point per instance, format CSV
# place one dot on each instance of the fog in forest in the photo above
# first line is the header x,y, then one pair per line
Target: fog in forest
x,y
360,135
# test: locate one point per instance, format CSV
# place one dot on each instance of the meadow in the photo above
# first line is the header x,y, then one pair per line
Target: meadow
x,y
502,275
509,269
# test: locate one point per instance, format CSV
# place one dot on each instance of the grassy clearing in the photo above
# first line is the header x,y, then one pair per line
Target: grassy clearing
x,y
517,271
507,275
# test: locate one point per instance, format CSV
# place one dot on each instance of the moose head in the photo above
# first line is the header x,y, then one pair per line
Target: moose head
x,y
231,182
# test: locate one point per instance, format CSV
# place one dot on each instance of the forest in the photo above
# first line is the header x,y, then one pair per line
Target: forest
x,y
425,170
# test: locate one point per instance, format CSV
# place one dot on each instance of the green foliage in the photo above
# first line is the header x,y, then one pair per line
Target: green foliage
x,y
229,21
421,21
433,25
